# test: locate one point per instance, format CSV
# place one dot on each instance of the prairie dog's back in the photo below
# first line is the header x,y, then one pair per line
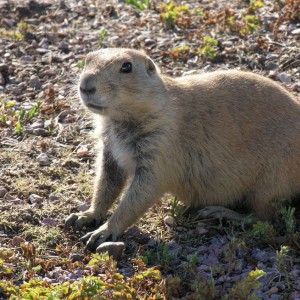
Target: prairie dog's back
x,y
236,129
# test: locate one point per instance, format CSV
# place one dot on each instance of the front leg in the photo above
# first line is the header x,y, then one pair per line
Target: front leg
x,y
141,195
109,183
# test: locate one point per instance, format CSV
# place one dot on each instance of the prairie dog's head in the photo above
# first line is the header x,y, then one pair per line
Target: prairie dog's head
x,y
118,81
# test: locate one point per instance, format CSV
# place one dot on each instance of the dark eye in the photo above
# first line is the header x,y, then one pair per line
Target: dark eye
x,y
126,67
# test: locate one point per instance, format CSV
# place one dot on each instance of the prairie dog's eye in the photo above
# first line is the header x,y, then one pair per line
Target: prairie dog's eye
x,y
126,67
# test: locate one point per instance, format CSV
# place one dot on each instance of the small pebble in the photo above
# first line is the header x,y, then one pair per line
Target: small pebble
x,y
149,42
83,207
75,257
285,78
271,56
201,230
271,65
3,191
63,46
2,79
34,198
296,87
26,59
38,124
34,82
114,249
43,159
3,67
227,44
53,197
49,222
169,220
17,240
41,132
296,31
273,290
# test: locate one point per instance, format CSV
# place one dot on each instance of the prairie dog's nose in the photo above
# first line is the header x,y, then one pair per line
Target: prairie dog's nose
x,y
87,84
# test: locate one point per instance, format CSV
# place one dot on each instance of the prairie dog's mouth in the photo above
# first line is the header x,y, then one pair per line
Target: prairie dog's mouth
x,y
97,107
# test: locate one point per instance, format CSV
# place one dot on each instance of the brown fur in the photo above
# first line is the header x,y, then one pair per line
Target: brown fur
x,y
210,139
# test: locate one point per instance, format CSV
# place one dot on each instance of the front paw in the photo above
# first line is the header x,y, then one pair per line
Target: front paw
x,y
79,220
94,238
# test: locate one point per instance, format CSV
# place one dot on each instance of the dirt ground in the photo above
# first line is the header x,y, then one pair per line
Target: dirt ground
x,y
47,152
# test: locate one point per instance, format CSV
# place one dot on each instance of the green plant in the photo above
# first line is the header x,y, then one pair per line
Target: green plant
x,y
261,230
23,27
140,4
12,34
245,288
103,36
208,49
26,116
172,14
288,214
282,259
177,209
256,4
204,289
160,257
109,285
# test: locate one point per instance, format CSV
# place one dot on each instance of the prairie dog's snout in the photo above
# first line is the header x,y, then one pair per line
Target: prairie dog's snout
x,y
87,84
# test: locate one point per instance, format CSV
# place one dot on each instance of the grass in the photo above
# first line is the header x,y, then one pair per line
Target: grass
x,y
17,118
139,4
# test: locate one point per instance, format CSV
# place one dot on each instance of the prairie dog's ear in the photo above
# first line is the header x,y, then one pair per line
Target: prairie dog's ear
x,y
151,68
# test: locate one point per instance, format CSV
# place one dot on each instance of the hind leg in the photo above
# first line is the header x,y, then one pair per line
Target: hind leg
x,y
262,203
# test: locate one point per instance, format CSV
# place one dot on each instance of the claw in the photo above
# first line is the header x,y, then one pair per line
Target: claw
x,y
70,220
86,237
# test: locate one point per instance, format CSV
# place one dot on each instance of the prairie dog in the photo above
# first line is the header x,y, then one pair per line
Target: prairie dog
x,y
210,139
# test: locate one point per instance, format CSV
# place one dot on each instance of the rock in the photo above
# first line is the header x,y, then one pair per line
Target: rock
x,y
227,44
149,42
110,11
17,90
211,260
41,132
49,222
296,87
26,59
34,82
37,124
75,257
2,80
260,255
63,46
3,191
17,240
271,56
114,249
271,65
273,290
169,220
43,159
201,230
83,207
285,78
34,198
53,197
296,31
